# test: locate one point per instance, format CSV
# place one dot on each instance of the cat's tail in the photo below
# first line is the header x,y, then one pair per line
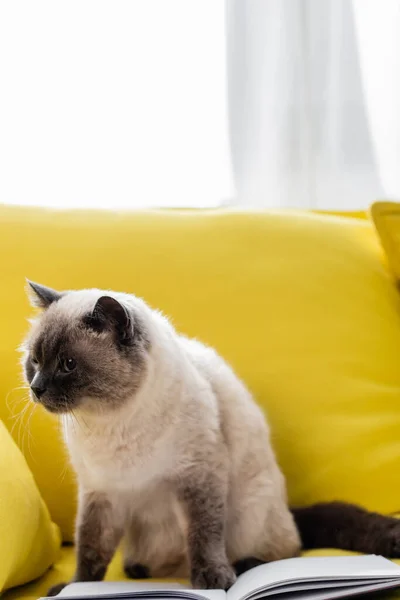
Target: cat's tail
x,y
348,527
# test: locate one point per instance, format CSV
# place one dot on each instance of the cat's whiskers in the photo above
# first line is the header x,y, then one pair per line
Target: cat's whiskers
x,y
16,416
86,425
73,421
19,418
80,421
63,473
22,420
31,438
23,429
10,404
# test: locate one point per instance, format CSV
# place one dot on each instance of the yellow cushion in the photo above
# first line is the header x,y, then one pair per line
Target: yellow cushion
x,y
301,305
386,218
62,571
29,540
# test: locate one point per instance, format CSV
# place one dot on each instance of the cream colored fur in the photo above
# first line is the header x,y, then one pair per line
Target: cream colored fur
x,y
190,408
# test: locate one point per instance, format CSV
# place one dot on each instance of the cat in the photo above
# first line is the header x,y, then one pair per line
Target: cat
x,y
172,454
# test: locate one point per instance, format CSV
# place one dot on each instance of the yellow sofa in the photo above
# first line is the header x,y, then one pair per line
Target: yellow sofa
x,y
302,305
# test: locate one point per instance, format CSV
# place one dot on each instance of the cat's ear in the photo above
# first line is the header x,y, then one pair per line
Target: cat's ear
x,y
107,313
40,295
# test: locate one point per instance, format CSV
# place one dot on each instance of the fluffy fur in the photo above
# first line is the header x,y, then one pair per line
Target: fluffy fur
x,y
171,452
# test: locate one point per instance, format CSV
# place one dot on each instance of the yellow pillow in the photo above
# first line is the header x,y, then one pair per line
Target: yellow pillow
x,y
29,541
301,305
386,218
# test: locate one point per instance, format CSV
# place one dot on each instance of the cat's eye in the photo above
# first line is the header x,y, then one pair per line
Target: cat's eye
x,y
34,361
68,365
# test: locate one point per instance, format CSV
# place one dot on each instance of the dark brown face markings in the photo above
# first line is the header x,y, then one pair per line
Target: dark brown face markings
x,y
52,341
108,368
204,498
37,350
29,369
129,332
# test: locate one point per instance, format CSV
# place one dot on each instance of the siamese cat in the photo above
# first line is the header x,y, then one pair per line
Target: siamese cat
x,y
172,455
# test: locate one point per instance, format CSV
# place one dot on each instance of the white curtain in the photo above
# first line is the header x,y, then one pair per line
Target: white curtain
x,y
291,103
378,35
110,103
310,122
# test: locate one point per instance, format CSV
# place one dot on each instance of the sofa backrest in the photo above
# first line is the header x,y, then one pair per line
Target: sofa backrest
x,y
301,305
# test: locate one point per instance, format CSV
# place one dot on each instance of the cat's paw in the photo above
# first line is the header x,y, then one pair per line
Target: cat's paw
x,y
136,571
56,589
213,576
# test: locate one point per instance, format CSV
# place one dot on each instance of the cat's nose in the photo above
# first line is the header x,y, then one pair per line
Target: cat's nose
x,y
38,390
39,385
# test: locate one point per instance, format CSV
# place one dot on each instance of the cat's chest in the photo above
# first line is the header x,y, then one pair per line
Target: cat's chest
x,y
117,458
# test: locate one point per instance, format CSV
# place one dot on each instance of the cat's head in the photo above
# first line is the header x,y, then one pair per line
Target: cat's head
x,y
87,349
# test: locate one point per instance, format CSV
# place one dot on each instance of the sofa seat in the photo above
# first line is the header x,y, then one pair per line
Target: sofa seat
x,y
303,306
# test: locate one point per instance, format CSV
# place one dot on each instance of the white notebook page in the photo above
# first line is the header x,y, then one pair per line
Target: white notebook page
x,y
345,592
311,569
110,588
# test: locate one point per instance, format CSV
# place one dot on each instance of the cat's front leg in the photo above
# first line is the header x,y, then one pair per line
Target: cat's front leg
x,y
203,495
98,535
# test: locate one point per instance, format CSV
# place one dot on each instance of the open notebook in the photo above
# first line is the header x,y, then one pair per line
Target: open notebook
x,y
313,578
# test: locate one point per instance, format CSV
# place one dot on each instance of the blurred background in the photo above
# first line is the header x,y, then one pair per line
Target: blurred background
x,y
199,103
